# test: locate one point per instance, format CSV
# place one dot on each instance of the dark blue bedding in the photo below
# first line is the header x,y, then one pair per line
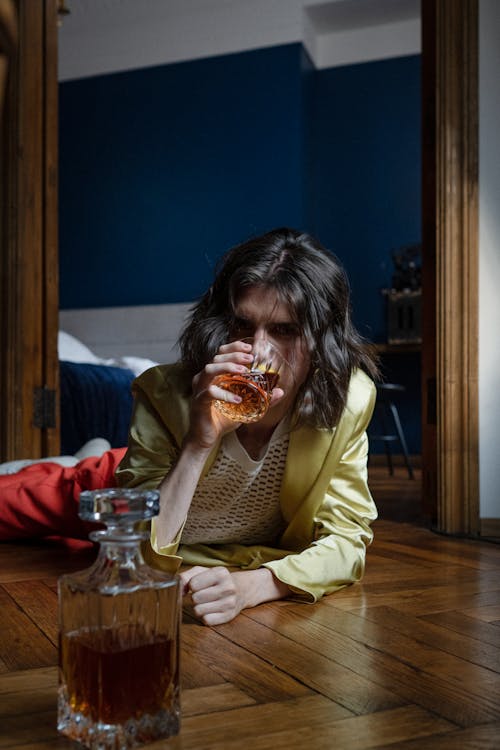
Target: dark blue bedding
x,y
96,401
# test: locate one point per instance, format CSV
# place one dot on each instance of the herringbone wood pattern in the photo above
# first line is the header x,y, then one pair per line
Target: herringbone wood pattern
x,y
408,659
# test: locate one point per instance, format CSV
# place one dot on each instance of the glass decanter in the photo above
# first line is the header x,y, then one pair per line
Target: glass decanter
x,y
119,624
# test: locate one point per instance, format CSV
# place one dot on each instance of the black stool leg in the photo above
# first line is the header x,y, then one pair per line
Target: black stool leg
x,y
386,439
401,437
389,457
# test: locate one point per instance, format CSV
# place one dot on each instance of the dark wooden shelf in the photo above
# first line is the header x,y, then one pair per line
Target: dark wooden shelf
x,y
397,348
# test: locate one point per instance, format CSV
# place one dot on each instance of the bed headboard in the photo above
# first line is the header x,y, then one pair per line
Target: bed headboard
x,y
149,331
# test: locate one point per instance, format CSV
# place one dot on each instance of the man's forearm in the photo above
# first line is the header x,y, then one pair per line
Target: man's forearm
x,y
177,491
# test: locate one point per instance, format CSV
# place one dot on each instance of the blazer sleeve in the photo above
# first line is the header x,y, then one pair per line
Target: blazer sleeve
x,y
157,427
159,421
341,523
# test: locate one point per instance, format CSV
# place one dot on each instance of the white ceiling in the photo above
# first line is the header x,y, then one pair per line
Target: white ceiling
x,y
105,36
347,15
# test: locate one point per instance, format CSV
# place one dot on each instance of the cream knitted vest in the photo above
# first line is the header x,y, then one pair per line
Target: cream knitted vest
x,y
238,500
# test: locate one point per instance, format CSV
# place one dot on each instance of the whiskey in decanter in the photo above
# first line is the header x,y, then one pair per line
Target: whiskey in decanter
x,y
119,624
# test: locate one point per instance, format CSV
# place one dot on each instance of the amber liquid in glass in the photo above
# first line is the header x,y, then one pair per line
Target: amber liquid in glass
x,y
113,676
254,389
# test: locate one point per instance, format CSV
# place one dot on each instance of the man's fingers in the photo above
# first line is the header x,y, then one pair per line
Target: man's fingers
x,y
205,578
213,594
187,575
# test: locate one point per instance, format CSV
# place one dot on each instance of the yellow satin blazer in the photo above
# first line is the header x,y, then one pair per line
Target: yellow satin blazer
x,y
325,500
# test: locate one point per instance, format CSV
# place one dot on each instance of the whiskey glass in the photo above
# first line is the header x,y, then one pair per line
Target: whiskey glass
x,y
255,387
119,624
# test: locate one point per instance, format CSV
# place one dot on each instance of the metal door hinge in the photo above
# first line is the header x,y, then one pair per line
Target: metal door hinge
x,y
44,408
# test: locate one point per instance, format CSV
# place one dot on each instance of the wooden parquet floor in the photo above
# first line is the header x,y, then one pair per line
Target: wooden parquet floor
x,y
409,659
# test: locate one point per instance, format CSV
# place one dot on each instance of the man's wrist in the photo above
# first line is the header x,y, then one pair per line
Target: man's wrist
x,y
260,585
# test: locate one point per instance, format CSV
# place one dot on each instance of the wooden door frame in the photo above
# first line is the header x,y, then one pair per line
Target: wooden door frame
x,y
450,148
29,257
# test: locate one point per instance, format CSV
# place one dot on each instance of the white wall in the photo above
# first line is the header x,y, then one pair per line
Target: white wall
x,y
489,261
106,36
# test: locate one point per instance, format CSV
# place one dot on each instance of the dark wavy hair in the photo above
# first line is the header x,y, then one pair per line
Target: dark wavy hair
x,y
312,282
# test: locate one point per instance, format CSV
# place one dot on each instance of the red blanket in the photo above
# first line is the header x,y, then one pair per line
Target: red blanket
x,y
42,499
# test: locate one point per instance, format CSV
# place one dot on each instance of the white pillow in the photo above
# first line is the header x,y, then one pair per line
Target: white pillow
x,y
71,349
136,364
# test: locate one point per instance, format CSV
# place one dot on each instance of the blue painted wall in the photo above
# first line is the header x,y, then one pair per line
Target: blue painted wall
x,y
163,169
365,173
364,179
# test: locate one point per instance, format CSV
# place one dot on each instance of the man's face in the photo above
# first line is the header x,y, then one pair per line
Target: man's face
x,y
260,313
